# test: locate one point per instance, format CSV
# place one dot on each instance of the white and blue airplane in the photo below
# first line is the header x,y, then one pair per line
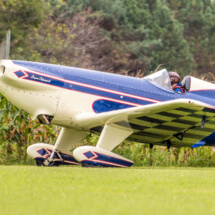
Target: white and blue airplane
x,y
117,107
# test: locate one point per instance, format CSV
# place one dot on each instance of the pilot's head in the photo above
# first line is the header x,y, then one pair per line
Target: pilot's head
x,y
174,77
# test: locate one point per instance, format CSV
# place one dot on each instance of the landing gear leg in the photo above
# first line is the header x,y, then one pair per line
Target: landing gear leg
x,y
169,144
49,155
100,155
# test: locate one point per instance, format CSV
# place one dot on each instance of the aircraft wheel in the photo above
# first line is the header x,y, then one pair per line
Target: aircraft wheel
x,y
91,165
86,165
53,163
39,162
42,163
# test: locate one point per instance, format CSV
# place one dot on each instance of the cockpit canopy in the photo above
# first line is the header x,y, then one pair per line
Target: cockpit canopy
x,y
160,79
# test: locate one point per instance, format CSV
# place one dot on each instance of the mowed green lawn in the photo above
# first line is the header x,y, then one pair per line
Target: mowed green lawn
x,y
76,190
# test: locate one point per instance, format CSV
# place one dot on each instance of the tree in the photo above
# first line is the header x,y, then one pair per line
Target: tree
x,y
198,19
20,16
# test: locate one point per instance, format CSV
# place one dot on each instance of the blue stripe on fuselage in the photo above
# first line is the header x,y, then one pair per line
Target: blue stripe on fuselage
x,y
83,89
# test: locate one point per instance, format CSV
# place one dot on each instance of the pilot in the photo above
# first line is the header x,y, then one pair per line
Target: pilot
x,y
175,82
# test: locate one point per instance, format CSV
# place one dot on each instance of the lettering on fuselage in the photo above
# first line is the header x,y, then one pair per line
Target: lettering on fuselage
x,y
33,77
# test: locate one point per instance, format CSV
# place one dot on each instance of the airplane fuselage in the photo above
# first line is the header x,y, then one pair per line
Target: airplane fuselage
x,y
65,93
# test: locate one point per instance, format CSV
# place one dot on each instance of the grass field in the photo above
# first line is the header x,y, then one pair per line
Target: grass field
x,y
76,190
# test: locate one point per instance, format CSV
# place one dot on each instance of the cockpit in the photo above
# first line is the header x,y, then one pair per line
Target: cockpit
x,y
162,80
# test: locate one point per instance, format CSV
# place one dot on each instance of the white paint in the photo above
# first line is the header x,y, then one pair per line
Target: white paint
x,y
33,149
67,139
198,84
78,154
112,136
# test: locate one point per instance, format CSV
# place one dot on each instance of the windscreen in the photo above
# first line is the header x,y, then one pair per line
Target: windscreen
x,y
160,78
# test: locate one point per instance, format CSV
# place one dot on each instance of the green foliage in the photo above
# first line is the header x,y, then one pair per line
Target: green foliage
x,y
142,34
160,156
20,16
198,18
18,131
119,35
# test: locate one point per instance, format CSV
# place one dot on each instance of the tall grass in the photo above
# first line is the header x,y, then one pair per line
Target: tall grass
x,y
159,156
141,154
18,131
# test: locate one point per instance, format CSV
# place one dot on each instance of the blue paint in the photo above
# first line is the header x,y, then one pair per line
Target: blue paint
x,y
100,106
111,159
98,163
98,158
136,86
20,73
42,152
89,154
65,157
129,85
41,159
102,157
205,93
84,89
207,141
44,79
198,144
210,140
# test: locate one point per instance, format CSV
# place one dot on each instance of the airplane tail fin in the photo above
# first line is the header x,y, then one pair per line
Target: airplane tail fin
x,y
5,46
201,87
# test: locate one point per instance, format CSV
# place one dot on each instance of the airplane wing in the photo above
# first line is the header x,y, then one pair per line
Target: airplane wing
x,y
183,121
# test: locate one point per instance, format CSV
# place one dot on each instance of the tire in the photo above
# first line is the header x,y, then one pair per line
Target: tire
x,y
54,163
39,162
92,166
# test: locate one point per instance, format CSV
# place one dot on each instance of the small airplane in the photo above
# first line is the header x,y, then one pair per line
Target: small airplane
x,y
117,107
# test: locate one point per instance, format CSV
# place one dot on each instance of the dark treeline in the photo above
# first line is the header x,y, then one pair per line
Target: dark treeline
x,y
113,35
